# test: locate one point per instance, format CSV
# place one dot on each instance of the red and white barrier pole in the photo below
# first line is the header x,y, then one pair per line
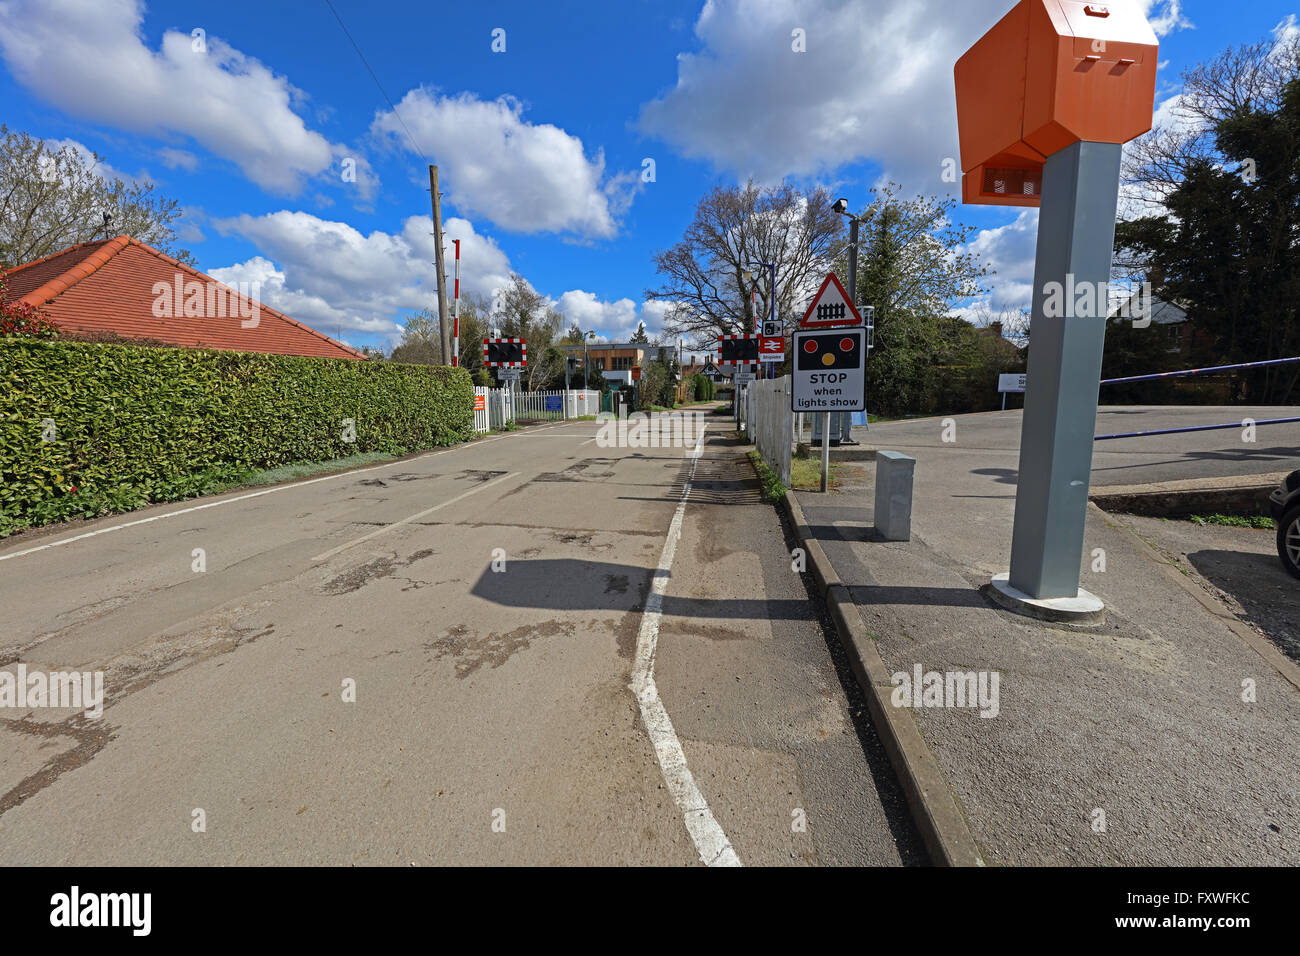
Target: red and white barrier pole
x,y
455,312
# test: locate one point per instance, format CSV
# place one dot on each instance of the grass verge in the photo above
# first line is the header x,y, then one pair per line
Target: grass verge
x,y
806,474
773,490
307,469
1236,521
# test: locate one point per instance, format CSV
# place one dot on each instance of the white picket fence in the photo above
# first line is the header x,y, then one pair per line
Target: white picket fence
x,y
769,422
501,405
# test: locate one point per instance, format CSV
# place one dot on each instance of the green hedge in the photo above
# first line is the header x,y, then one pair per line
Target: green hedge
x,y
134,425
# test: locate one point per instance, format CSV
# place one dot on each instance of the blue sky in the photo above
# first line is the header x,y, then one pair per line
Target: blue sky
x,y
541,147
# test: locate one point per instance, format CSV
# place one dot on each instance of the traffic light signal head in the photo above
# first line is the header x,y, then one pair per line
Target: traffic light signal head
x,y
738,349
828,351
505,352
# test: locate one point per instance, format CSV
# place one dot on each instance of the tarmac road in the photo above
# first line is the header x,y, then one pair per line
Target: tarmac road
x,y
992,440
494,718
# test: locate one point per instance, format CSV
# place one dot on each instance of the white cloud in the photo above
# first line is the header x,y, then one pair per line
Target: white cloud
x,y
874,86
86,157
1009,250
1286,32
1165,16
329,274
182,158
88,58
271,287
495,164
613,321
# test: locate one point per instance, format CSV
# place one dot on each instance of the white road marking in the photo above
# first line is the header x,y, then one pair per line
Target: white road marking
x,y
254,494
711,843
415,517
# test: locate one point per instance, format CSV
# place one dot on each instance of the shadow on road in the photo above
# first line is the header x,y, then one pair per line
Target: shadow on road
x,y
568,584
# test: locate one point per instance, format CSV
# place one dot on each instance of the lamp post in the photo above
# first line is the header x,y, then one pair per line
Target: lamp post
x,y
586,358
842,207
771,297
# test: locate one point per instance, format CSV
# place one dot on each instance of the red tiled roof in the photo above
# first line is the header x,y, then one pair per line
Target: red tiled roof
x,y
108,286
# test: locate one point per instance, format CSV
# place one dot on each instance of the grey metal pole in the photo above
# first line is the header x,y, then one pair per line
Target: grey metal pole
x,y
846,418
771,293
826,450
1076,230
853,259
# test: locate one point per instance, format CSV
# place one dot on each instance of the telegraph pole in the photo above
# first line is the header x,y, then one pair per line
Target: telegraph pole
x,y
444,328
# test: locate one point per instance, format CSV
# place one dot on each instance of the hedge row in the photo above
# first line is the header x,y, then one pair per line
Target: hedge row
x,y
90,429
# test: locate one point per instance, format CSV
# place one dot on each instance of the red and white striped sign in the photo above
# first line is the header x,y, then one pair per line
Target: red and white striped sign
x,y
735,349
522,352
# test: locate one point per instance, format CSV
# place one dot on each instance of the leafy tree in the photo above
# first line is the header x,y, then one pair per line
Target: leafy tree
x,y
474,310
913,270
734,229
1221,237
421,343
658,385
51,199
640,337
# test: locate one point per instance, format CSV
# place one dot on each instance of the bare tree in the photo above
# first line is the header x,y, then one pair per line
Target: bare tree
x,y
520,311
1239,79
1014,323
421,340
54,198
735,229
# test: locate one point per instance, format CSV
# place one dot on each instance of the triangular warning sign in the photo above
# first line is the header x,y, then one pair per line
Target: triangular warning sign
x,y
830,307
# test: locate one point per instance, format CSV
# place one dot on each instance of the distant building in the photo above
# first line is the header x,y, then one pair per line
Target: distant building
x,y
615,360
1170,319
122,287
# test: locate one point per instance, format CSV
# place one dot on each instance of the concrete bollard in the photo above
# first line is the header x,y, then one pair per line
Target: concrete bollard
x,y
893,511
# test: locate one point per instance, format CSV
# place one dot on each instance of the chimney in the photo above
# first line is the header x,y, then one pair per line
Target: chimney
x,y
996,328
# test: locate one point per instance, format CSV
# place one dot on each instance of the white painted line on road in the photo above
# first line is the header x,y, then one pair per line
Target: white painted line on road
x,y
254,494
711,843
415,517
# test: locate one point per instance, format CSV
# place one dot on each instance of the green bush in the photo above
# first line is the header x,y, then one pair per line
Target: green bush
x,y
703,388
91,429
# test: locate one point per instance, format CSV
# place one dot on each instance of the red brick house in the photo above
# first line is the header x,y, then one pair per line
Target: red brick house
x,y
125,287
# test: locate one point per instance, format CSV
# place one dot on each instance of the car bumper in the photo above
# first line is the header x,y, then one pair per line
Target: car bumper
x,y
1277,501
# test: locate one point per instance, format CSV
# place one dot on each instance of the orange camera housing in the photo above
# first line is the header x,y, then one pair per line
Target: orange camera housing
x,y
1049,74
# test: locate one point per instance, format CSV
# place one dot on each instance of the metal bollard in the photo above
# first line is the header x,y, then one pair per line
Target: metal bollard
x,y
893,507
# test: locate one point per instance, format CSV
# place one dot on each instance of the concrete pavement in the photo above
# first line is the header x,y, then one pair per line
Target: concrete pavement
x,y
1161,737
493,720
